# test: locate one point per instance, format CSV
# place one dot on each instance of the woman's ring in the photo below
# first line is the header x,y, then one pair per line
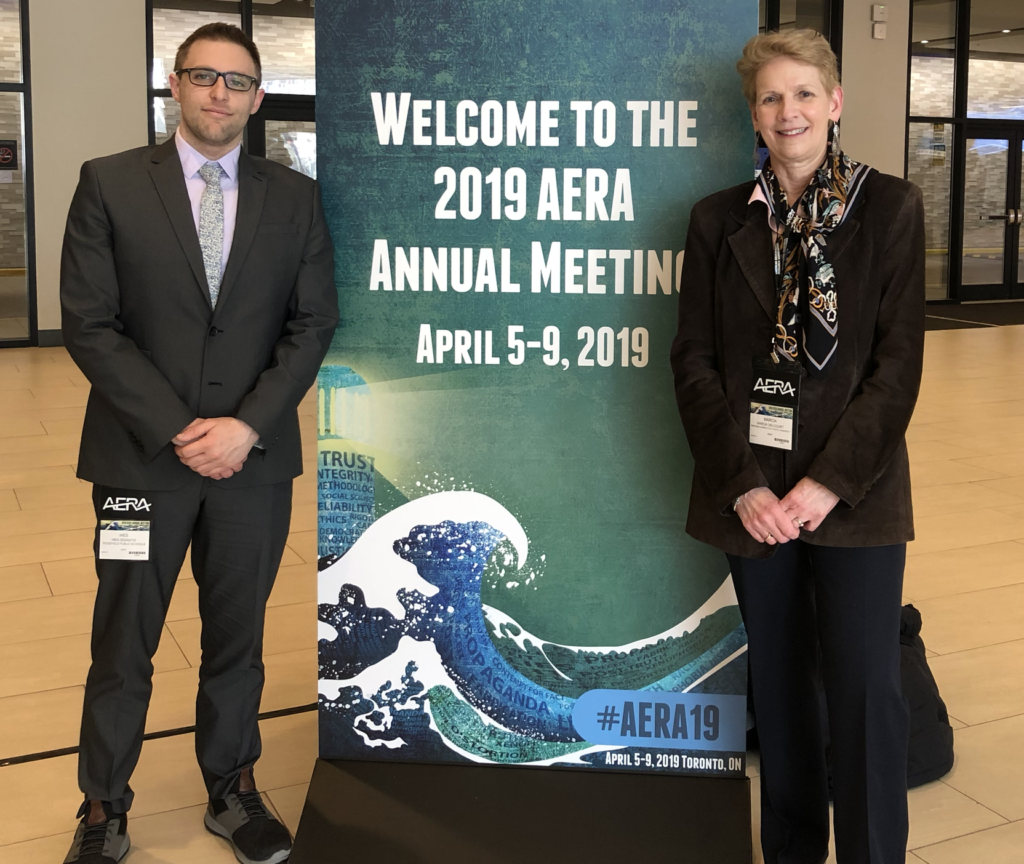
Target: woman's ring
x,y
769,536
799,523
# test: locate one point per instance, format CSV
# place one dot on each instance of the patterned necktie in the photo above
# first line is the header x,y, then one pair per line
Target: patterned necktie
x,y
211,227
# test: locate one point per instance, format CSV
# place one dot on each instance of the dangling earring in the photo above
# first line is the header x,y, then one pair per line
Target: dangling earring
x,y
833,134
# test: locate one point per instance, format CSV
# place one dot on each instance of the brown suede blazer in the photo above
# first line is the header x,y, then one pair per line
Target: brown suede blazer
x,y
852,423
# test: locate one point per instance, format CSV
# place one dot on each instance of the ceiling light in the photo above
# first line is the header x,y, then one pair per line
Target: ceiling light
x,y
924,41
1006,31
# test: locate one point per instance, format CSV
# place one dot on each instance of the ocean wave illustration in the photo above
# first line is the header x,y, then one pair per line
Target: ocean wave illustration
x,y
675,660
404,605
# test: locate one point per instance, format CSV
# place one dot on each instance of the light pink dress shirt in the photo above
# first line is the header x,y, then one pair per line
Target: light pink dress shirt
x,y
191,161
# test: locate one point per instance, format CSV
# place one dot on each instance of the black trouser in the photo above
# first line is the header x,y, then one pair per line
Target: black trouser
x,y
847,602
237,537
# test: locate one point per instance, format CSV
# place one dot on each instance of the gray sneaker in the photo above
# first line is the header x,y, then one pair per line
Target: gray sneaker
x,y
254,834
103,843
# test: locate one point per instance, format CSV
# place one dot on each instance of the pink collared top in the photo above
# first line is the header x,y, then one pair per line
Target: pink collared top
x,y
191,161
758,195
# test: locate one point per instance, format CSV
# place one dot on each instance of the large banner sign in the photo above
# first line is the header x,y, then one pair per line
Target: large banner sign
x,y
503,478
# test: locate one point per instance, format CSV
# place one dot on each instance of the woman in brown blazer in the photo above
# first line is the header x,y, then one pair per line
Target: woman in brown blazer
x,y
797,365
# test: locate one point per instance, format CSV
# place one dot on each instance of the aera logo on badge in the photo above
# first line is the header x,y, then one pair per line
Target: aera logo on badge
x,y
123,504
774,386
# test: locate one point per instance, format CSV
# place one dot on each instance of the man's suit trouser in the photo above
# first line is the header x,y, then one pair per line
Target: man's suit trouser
x,y
237,538
847,602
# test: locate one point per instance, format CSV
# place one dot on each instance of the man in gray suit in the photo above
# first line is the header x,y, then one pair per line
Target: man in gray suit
x,y
197,287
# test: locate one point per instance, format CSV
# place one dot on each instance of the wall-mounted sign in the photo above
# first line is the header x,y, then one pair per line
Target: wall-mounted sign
x,y
8,155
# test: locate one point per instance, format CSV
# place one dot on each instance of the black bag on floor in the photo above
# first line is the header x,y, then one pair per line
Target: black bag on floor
x,y
931,737
930,752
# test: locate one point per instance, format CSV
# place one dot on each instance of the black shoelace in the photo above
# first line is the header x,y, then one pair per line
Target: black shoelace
x,y
252,804
94,838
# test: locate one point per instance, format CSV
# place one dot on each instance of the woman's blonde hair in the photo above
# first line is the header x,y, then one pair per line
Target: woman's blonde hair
x,y
803,46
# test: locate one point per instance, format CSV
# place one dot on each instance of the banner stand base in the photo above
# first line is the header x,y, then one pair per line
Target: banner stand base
x,y
427,813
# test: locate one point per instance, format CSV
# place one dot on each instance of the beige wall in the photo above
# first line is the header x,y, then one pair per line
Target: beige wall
x,y
874,123
77,48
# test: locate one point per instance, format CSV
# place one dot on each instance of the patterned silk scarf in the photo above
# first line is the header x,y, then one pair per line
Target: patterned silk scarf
x,y
811,319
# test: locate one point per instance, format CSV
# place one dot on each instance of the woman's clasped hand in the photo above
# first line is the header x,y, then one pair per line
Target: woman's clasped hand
x,y
769,520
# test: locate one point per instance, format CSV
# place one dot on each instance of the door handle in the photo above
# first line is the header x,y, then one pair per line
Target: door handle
x,y
1009,217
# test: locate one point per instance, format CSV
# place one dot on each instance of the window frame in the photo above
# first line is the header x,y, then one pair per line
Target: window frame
x,y
954,264
955,292
834,10
24,88
289,104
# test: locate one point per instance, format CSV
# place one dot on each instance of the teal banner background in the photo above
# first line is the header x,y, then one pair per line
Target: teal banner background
x,y
589,462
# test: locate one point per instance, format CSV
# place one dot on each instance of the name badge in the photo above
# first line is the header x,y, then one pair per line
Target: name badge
x,y
124,540
775,404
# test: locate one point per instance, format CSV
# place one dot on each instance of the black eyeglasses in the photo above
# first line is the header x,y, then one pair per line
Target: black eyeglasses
x,y
208,77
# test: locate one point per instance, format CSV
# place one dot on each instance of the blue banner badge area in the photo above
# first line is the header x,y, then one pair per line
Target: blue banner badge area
x,y
679,721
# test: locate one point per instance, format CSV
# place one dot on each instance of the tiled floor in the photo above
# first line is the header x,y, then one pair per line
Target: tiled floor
x,y
965,574
47,583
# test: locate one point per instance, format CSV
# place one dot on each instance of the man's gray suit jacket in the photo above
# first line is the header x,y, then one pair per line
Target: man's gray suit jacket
x,y
137,317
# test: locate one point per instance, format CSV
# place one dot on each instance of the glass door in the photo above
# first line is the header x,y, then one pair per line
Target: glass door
x,y
1018,288
15,317
991,267
17,290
